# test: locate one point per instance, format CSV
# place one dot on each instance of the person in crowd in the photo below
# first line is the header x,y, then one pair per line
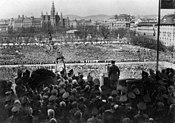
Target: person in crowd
x,y
94,118
15,118
29,118
77,117
75,100
51,116
113,74
19,76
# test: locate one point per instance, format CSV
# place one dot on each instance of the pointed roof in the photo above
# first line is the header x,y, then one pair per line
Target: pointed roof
x,y
61,15
53,6
53,9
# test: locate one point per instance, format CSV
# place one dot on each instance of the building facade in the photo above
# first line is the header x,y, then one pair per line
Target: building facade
x,y
167,30
4,26
147,29
26,22
119,21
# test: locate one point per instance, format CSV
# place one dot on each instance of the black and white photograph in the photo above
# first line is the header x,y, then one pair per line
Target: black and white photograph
x,y
87,61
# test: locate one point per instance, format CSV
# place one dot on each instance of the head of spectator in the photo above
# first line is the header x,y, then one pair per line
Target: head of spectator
x,y
78,116
51,115
62,104
17,103
27,73
15,110
150,120
19,73
29,111
126,120
25,101
113,62
144,75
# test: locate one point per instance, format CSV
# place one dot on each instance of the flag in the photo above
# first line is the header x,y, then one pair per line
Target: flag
x,y
167,4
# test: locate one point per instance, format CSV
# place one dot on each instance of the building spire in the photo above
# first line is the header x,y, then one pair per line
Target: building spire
x,y
61,15
53,9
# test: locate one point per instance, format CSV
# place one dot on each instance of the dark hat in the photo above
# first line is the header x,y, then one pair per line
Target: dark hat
x,y
160,106
172,107
19,71
131,95
126,120
62,104
74,91
54,91
112,61
25,100
96,81
65,95
15,109
52,98
141,106
78,115
110,98
136,91
123,98
114,93
146,98
94,111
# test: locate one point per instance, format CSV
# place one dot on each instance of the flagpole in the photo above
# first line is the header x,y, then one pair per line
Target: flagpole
x,y
158,33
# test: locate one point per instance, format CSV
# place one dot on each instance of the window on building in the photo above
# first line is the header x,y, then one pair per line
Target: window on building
x,y
169,34
164,20
164,34
173,34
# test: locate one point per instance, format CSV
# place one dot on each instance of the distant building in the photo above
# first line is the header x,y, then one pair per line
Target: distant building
x,y
54,19
80,23
147,29
84,22
67,23
74,24
26,22
119,21
167,30
133,25
4,26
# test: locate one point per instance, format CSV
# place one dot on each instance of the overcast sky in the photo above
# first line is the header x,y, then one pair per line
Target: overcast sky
x,y
12,8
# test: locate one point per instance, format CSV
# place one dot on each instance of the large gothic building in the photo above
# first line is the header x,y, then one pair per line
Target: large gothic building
x,y
54,19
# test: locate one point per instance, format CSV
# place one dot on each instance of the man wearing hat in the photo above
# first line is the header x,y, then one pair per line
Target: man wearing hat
x,y
113,74
15,118
94,118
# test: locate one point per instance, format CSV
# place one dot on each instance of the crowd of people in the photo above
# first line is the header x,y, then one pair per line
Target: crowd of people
x,y
67,98
78,54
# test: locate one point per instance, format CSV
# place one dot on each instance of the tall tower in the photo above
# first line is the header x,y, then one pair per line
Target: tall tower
x,y
53,10
52,15
61,20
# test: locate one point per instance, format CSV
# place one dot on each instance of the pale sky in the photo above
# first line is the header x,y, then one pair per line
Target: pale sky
x,y
13,8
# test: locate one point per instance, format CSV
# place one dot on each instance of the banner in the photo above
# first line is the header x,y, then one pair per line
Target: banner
x,y
167,4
